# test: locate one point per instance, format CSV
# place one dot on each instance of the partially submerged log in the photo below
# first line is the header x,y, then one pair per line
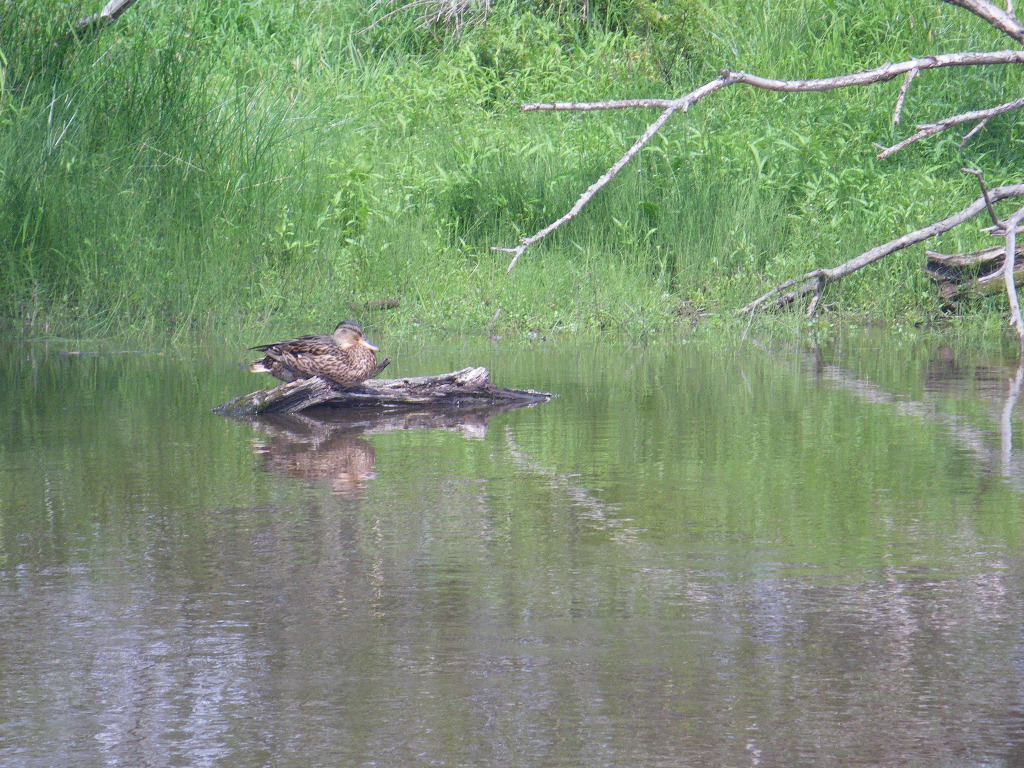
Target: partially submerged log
x,y
458,389
977,273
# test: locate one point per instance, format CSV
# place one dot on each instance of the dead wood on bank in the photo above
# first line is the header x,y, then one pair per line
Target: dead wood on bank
x,y
812,283
961,275
104,18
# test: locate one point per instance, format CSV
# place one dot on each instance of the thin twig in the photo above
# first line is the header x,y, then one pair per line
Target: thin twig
x,y
903,95
1006,419
971,133
984,193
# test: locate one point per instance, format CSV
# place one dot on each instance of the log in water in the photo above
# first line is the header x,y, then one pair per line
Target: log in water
x,y
458,389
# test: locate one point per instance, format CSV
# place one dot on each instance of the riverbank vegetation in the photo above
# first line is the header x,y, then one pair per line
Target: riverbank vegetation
x,y
245,169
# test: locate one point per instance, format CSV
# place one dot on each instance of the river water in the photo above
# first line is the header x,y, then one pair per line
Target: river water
x,y
693,556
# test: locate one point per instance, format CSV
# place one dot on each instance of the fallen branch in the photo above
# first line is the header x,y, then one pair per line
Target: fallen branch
x,y
104,18
459,389
814,281
973,441
1007,229
967,274
728,78
930,129
1005,21
1016,322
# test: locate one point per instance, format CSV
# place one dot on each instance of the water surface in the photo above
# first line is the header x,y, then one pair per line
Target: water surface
x,y
692,556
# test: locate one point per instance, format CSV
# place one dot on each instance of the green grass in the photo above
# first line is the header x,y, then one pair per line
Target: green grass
x,y
237,169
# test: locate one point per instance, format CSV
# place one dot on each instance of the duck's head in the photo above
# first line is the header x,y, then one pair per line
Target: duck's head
x,y
348,335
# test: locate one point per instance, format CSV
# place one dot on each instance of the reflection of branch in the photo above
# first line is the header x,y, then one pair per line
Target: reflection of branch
x,y
1006,421
315,427
971,439
596,509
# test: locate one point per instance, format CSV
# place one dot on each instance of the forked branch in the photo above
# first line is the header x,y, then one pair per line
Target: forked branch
x,y
982,116
727,78
813,282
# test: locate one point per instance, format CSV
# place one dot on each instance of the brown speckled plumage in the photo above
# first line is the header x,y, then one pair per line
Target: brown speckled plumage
x,y
345,357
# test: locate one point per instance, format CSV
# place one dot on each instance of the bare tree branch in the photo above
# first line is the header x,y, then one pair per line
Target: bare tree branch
x,y
107,16
931,129
1004,21
814,281
970,134
455,14
1016,322
727,77
673,107
592,190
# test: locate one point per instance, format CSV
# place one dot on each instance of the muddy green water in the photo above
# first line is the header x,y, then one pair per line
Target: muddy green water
x,y
692,557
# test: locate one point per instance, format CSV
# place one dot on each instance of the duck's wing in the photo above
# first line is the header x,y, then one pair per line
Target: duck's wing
x,y
306,356
317,344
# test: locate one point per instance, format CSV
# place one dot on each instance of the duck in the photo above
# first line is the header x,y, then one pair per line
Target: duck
x,y
344,358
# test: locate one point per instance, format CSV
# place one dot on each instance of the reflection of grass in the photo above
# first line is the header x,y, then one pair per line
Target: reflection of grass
x,y
677,446
238,170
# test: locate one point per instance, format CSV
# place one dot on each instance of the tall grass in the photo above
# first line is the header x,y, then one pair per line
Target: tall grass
x,y
237,169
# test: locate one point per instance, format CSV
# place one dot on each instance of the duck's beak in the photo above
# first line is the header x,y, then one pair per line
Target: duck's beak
x,y
370,346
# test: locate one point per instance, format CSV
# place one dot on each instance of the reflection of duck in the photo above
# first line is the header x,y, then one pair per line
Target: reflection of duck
x,y
345,461
345,357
